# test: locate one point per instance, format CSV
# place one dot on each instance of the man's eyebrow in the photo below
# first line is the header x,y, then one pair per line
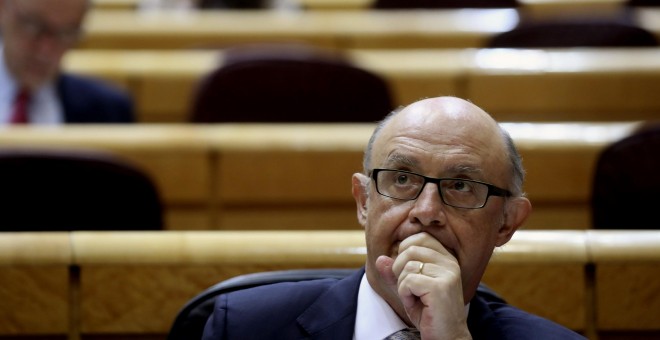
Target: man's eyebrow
x,y
399,159
395,160
464,169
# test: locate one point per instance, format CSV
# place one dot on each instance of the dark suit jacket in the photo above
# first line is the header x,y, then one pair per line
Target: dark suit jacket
x,y
86,100
325,309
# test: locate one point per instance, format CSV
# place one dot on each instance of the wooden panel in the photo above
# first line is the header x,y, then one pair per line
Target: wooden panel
x,y
281,177
167,99
542,272
136,282
555,292
35,299
34,283
556,86
183,176
140,299
189,218
294,217
547,215
627,278
627,295
567,180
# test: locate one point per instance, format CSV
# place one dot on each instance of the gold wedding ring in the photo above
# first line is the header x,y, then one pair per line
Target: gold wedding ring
x,y
421,267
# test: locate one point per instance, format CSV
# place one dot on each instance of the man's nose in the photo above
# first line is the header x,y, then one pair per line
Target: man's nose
x,y
428,208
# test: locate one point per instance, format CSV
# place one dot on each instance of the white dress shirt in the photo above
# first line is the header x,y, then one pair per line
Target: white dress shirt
x,y
375,319
44,107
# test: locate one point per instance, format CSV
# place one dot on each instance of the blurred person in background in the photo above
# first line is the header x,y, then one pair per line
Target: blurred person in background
x,y
35,36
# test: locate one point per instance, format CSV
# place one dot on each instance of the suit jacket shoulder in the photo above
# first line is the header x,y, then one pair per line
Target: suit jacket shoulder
x,y
325,309
317,309
87,100
495,320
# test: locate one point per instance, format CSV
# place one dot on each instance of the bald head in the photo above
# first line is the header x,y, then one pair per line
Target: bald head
x,y
449,121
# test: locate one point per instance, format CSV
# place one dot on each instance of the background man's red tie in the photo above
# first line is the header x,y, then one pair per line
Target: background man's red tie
x,y
20,114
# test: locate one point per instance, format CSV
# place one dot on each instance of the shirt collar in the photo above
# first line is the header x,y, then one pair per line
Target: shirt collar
x,y
375,319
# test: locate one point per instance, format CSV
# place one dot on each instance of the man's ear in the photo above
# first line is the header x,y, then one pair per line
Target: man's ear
x,y
517,209
360,194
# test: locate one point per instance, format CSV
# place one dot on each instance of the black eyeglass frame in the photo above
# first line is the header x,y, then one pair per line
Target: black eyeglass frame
x,y
492,189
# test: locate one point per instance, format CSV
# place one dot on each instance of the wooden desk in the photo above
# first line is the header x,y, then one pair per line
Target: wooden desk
x,y
182,264
163,82
607,85
333,29
513,85
173,29
196,167
132,284
176,159
539,6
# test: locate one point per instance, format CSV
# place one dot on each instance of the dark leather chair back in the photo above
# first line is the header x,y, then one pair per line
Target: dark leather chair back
x,y
643,3
191,319
626,187
577,33
65,190
290,84
448,4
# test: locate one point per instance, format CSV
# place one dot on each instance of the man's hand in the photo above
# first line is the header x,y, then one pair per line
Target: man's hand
x,y
428,280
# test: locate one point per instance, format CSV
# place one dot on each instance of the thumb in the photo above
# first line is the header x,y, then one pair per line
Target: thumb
x,y
384,266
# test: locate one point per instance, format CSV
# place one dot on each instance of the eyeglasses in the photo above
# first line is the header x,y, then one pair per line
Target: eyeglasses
x,y
455,192
34,28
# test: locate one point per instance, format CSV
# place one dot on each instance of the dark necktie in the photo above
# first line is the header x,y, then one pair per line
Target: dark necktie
x,y
405,334
20,112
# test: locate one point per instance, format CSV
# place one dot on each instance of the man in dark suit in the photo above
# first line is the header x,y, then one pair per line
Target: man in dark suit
x,y
441,188
35,36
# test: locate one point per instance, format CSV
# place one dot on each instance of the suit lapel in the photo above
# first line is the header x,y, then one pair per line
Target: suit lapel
x,y
332,315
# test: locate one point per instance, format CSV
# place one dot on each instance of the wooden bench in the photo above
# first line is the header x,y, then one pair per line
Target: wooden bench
x,y
299,175
132,284
513,85
544,6
170,29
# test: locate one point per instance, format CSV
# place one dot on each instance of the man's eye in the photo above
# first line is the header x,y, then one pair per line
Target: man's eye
x,y
401,179
460,186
